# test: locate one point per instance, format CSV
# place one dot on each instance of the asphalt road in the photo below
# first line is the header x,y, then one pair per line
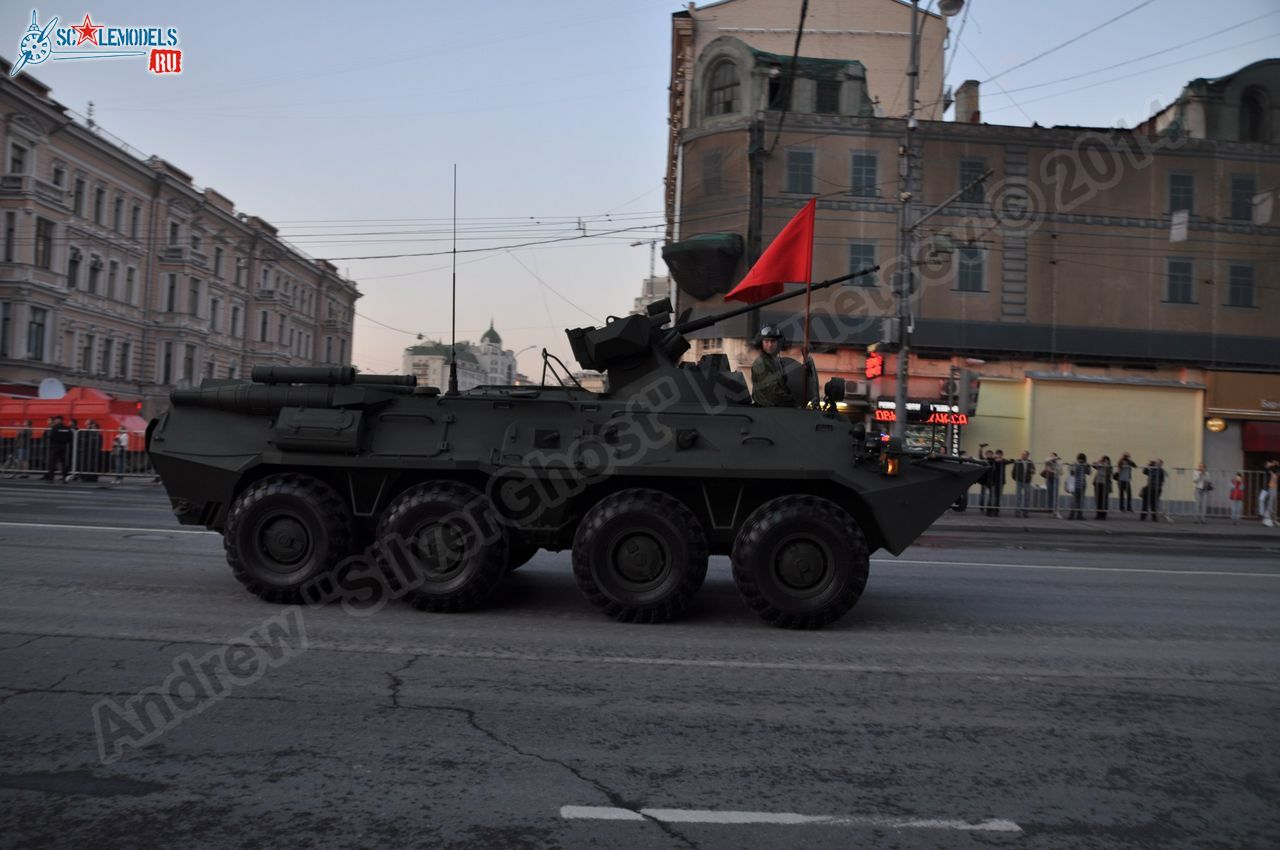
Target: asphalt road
x,y
977,696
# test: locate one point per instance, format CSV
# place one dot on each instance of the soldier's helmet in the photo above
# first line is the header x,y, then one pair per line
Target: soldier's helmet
x,y
772,332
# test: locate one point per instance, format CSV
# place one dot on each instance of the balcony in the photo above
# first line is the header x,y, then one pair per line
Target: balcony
x,y
185,256
332,324
24,185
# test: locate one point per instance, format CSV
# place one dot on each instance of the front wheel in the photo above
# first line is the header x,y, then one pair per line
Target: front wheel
x,y
284,532
640,556
800,562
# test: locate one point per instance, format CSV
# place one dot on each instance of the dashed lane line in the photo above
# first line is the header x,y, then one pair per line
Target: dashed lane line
x,y
737,818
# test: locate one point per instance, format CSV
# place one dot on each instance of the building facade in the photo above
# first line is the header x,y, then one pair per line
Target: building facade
x,y
485,363
1095,282
119,273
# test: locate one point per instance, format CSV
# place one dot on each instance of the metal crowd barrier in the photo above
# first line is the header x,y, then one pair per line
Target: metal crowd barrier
x,y
1178,499
91,454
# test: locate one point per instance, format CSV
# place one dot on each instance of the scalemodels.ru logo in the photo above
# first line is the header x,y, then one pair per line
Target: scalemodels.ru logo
x,y
98,41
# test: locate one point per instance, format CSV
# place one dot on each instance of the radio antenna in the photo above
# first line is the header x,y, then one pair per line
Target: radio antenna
x,y
453,301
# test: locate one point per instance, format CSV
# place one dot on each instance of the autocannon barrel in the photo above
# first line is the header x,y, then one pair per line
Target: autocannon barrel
x,y
253,399
388,380
330,375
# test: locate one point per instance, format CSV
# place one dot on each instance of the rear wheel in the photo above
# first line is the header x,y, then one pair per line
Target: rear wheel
x,y
448,542
640,556
800,562
284,532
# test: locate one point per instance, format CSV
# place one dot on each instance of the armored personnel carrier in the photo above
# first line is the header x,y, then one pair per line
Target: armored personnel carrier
x,y
310,473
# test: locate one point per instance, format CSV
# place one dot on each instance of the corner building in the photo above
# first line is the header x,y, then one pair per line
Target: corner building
x,y
1106,290
119,273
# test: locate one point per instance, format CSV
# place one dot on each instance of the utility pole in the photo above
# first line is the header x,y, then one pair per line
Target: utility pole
x,y
906,252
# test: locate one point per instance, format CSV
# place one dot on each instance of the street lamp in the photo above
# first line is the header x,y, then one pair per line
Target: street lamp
x,y
906,246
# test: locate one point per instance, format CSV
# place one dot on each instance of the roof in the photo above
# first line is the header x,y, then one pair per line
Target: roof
x,y
806,66
491,335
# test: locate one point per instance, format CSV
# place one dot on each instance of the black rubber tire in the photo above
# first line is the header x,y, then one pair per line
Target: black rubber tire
x,y
519,554
285,531
656,527
800,562
466,582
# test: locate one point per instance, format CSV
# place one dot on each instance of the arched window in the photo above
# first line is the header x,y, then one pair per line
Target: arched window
x,y
1254,117
722,92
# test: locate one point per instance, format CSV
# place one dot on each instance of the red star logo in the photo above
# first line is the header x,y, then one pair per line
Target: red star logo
x,y
88,31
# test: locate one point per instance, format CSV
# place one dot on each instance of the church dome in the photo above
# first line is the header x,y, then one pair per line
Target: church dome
x,y
491,335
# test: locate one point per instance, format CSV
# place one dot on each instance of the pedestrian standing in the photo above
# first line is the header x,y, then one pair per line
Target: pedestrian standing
x,y
984,498
1272,485
119,446
24,449
998,464
1051,473
1024,470
1200,481
1124,480
58,438
1154,471
1102,486
1237,498
1077,479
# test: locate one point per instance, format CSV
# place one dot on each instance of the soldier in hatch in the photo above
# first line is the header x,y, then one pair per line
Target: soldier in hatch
x,y
768,381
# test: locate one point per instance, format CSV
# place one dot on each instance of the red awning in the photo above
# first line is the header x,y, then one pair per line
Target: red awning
x,y
1261,437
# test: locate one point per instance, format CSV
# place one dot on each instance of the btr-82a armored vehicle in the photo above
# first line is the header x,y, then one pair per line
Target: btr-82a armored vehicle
x,y
309,471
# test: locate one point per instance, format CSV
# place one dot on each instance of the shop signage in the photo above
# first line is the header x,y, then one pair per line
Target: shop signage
x,y
922,414
875,366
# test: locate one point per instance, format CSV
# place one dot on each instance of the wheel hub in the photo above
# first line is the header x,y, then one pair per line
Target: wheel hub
x,y
440,549
639,558
285,540
801,564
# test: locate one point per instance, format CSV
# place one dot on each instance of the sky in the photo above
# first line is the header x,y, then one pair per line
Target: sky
x,y
342,124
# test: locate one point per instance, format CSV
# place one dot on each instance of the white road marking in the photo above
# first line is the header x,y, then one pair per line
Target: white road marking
x,y
1070,568
101,528
781,819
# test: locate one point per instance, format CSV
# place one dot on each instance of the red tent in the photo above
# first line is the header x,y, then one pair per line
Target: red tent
x,y
81,404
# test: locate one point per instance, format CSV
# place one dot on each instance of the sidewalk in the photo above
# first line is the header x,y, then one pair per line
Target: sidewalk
x,y
1116,524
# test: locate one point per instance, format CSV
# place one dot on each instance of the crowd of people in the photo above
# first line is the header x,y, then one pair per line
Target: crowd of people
x,y
52,449
1067,484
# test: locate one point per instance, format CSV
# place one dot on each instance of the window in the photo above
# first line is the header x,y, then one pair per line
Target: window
x,y
971,168
342,351
208,369
99,204
59,176
35,333
174,233
95,272
10,235
1240,285
171,294
1178,289
215,309
1254,117
862,175
242,271
827,97
217,263
235,320
280,334
73,268
712,176
166,368
262,326
86,353
6,322
135,221
193,300
17,159
1243,188
1182,192
108,356
130,285
970,276
862,255
328,349
44,243
117,215
113,274
195,241
189,363
126,357
77,204
800,172
231,370
722,94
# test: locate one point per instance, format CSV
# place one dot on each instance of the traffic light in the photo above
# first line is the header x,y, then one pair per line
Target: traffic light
x,y
968,391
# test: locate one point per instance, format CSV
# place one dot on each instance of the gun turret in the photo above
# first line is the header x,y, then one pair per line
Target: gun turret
x,y
635,348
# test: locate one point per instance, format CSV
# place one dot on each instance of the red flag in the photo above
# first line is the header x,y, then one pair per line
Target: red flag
x,y
788,259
